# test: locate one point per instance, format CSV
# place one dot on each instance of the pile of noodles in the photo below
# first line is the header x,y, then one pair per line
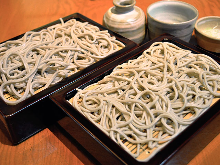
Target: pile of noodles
x,y
41,59
149,100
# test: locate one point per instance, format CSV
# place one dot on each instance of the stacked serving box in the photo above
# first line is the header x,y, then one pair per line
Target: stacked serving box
x,y
100,145
32,115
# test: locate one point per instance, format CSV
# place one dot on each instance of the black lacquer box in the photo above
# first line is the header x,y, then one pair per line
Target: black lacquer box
x,y
100,145
30,116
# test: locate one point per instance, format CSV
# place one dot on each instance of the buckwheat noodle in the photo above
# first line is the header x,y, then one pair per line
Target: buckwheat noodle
x,y
41,59
145,100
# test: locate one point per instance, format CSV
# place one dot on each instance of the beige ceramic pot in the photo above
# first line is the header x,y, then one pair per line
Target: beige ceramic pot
x,y
126,19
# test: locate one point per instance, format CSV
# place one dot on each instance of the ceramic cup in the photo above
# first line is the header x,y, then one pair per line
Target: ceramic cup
x,y
174,17
207,31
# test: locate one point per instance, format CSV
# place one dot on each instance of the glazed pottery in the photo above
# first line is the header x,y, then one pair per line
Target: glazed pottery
x,y
126,19
173,17
207,31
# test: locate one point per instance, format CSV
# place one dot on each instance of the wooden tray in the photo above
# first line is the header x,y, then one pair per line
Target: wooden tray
x,y
101,146
30,116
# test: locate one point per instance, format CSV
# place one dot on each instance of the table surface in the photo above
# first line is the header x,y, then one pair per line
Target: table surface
x,y
52,145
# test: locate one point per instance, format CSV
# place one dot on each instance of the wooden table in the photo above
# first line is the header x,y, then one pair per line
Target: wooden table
x,y
52,145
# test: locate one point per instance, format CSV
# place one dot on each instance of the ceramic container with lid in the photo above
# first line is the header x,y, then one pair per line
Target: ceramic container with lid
x,y
126,19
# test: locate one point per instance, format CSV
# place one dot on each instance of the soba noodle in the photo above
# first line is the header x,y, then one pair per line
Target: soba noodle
x,y
145,101
41,59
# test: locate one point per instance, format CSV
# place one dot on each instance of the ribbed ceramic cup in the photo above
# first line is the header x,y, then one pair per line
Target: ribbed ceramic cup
x,y
174,17
126,19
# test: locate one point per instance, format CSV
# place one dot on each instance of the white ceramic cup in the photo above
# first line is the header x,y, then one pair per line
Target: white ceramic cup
x,y
173,17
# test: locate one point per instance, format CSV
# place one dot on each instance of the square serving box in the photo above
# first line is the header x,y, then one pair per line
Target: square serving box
x,y
100,145
32,115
